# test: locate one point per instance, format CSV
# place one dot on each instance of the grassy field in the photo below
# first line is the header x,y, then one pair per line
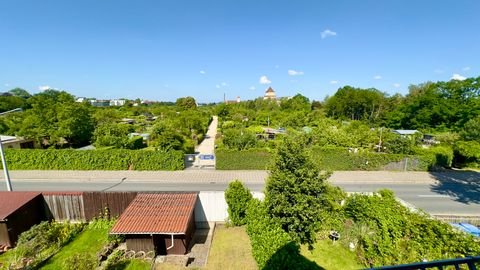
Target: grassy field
x,y
230,250
331,256
131,265
89,241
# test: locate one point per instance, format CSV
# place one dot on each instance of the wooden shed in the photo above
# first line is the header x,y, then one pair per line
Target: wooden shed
x,y
18,212
159,222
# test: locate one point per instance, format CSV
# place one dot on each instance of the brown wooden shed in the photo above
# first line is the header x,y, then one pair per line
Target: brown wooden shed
x,y
159,222
18,212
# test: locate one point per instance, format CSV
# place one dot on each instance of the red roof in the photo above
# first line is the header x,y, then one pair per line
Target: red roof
x,y
158,213
11,201
269,90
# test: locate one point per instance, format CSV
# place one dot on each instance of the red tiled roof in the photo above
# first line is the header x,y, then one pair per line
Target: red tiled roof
x,y
10,201
159,213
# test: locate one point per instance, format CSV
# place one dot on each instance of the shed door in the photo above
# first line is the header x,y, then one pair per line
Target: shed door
x,y
159,243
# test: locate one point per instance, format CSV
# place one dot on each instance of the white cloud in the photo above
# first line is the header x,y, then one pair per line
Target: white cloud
x,y
252,88
377,77
458,77
333,82
264,80
328,33
44,87
439,71
396,85
203,72
292,72
466,68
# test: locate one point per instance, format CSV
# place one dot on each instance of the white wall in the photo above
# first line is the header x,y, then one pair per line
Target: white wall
x,y
212,207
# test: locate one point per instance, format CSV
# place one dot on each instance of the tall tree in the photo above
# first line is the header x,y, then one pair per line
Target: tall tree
x,y
55,119
186,103
294,191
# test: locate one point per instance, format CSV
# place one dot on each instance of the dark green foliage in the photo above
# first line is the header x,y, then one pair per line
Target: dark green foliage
x,y
56,120
239,139
391,234
357,104
330,159
186,103
80,261
294,190
467,154
237,196
112,135
135,142
269,239
471,130
40,242
19,92
113,159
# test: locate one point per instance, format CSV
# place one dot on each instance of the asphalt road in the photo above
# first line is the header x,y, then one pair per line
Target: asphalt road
x,y
421,195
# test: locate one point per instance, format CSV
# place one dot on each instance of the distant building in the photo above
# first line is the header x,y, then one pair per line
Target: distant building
x,y
406,132
16,142
81,99
117,102
100,102
270,94
233,101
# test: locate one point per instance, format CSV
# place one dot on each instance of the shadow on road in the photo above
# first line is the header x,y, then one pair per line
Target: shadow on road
x,y
463,186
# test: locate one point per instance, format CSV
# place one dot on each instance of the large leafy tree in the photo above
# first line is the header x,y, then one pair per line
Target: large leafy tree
x,y
357,104
55,119
186,103
295,191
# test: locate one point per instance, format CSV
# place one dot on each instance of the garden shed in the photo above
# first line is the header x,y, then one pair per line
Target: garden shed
x,y
159,222
18,212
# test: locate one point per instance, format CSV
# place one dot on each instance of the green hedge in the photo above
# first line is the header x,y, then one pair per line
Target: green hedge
x,y
112,159
252,159
334,159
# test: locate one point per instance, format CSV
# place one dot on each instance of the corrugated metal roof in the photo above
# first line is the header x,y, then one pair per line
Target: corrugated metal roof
x,y
159,213
10,201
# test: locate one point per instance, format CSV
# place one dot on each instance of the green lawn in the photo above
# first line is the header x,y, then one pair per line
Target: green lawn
x,y
90,241
331,256
131,265
230,250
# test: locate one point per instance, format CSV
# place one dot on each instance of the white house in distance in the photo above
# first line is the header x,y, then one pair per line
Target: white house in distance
x,y
117,102
14,142
270,94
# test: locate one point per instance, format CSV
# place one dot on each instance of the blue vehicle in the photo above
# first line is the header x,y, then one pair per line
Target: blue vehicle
x,y
468,228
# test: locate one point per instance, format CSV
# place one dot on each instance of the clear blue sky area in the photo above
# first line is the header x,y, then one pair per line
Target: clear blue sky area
x,y
162,50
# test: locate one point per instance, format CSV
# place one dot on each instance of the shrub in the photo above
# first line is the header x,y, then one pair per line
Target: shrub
x,y
237,197
269,239
113,159
80,261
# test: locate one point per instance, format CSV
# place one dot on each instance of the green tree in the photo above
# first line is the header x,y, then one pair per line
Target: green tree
x,y
186,103
238,197
294,191
19,92
55,119
471,130
112,135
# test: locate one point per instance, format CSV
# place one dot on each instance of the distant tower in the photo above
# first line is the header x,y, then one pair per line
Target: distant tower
x,y
270,94
238,99
224,98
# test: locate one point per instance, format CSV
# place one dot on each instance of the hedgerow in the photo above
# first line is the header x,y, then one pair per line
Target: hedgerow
x,y
331,159
112,159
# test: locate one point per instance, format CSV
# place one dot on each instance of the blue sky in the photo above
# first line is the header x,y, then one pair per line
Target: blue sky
x,y
162,50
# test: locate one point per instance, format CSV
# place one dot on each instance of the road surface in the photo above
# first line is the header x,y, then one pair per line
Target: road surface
x,y
436,193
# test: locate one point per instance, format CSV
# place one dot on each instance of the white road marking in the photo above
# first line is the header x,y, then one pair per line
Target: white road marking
x,y
434,196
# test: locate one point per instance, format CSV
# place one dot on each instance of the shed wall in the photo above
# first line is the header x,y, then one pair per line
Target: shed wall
x,y
140,242
25,217
4,237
